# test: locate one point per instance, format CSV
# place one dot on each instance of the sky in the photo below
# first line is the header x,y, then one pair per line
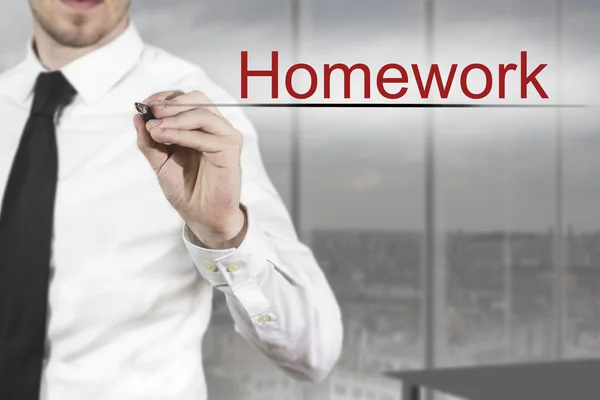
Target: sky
x,y
495,169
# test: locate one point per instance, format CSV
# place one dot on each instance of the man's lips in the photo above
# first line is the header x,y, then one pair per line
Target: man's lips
x,y
81,4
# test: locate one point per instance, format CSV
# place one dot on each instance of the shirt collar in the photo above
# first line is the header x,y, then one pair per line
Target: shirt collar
x,y
95,73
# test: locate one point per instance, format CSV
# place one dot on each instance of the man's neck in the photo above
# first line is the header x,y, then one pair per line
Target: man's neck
x,y
53,55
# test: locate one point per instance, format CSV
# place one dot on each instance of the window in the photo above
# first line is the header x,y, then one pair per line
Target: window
x,y
494,190
362,185
513,198
581,190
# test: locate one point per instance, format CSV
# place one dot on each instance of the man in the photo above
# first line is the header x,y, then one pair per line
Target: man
x,y
113,235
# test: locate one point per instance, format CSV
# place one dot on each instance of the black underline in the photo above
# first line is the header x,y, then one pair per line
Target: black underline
x,y
377,105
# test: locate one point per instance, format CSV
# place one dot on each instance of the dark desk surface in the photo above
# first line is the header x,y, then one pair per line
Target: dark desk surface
x,y
565,380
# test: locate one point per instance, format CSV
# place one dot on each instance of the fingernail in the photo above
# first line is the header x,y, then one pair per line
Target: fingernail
x,y
155,122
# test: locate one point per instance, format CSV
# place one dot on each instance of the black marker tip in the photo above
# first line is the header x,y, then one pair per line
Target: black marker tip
x,y
144,111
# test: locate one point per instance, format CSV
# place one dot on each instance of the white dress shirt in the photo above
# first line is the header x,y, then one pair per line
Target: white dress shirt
x,y
130,294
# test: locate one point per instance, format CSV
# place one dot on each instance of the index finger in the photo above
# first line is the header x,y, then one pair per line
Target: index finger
x,y
171,106
163,96
159,98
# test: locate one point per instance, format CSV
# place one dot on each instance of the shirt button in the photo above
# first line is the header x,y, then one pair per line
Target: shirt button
x,y
233,267
264,318
210,266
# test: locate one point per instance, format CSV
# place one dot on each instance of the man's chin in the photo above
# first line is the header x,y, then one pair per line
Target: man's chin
x,y
77,36
76,32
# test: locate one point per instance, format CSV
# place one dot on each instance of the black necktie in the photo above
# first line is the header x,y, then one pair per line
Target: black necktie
x,y
26,225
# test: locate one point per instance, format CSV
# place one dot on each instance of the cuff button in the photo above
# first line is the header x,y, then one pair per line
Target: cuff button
x,y
264,318
211,266
233,267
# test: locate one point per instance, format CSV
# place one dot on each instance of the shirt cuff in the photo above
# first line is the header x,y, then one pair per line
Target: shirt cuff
x,y
238,269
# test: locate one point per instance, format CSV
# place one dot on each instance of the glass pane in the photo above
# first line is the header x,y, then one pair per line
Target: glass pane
x,y
362,195
581,155
495,196
582,233
496,192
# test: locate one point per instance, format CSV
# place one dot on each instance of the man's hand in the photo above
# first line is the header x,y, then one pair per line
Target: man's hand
x,y
195,153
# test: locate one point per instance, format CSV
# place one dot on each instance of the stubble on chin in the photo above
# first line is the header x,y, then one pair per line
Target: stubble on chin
x,y
74,35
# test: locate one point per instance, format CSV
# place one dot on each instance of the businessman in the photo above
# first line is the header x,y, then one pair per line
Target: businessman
x,y
114,231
